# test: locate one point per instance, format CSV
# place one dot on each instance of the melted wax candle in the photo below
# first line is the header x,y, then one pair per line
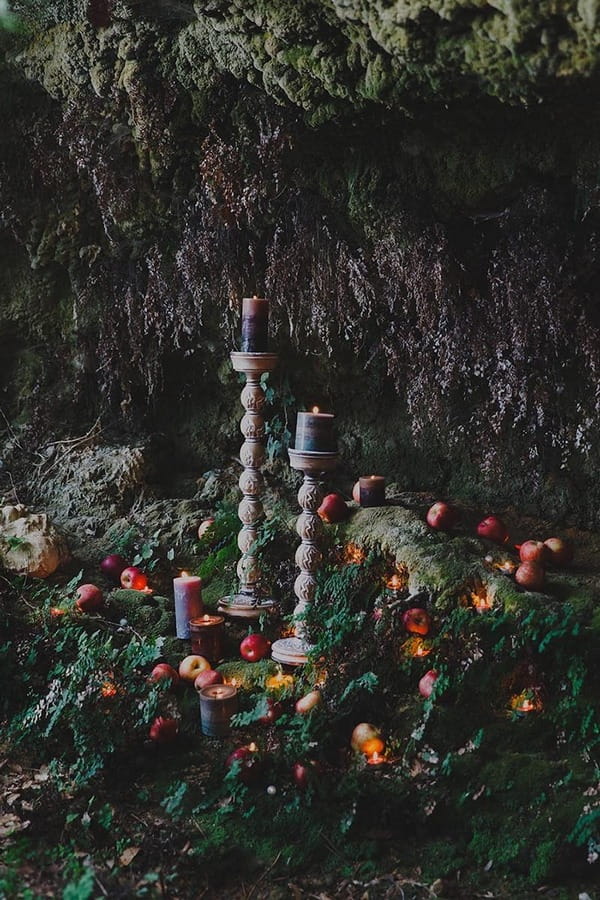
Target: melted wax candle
x,y
314,432
188,602
255,325
372,490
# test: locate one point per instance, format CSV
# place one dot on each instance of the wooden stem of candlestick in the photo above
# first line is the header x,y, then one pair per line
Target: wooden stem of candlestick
x,y
294,651
250,602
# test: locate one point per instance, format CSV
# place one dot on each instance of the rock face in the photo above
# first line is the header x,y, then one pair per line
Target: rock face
x,y
29,543
414,186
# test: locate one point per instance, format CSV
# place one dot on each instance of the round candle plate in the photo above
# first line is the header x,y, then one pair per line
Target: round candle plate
x,y
245,606
313,461
290,651
253,362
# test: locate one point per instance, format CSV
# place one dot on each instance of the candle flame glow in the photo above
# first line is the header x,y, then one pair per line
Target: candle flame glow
x,y
395,583
108,689
354,554
252,747
315,409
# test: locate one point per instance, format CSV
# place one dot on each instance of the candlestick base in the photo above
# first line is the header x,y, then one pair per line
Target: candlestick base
x,y
246,606
292,651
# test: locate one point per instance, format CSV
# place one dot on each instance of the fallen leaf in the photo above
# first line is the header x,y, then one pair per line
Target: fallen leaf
x,y
10,824
128,855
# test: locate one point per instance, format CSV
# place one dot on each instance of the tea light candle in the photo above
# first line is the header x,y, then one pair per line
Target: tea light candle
x,y
279,682
188,602
218,703
255,325
206,635
375,759
314,432
372,490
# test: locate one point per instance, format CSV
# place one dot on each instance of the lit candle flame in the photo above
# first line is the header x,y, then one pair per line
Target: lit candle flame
x,y
184,574
395,583
252,747
315,409
354,554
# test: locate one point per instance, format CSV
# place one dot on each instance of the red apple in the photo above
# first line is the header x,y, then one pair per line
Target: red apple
x,y
300,774
112,566
333,509
309,702
441,516
191,666
163,671
249,764
416,620
163,730
254,647
534,551
530,575
356,492
88,598
561,552
494,529
362,734
204,526
273,712
207,677
133,579
427,682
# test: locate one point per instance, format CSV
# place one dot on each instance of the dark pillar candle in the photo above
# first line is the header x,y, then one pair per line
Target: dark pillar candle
x,y
372,490
255,325
314,432
206,635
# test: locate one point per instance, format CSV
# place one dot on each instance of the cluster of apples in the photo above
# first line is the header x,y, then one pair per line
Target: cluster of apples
x,y
534,555
117,569
90,598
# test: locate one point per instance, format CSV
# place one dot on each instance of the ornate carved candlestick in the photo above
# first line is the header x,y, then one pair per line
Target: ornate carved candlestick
x,y
293,651
249,601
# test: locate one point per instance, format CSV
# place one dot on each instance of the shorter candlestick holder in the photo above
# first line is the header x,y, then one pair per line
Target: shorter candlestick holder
x,y
250,601
293,651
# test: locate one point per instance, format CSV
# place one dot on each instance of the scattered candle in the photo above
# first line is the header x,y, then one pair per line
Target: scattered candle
x,y
188,602
372,490
279,682
395,583
481,602
417,647
314,432
218,703
354,554
526,702
375,759
108,689
206,635
255,325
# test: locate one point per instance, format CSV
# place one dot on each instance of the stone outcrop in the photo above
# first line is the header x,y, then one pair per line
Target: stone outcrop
x,y
414,185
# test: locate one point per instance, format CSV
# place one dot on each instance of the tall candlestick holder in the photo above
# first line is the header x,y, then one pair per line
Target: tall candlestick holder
x,y
249,602
293,651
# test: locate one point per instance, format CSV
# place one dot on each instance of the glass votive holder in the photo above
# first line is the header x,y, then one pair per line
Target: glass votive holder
x,y
218,703
207,635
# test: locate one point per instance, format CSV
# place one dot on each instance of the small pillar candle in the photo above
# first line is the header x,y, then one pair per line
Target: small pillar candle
x,y
188,602
314,432
206,635
218,703
372,490
255,325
